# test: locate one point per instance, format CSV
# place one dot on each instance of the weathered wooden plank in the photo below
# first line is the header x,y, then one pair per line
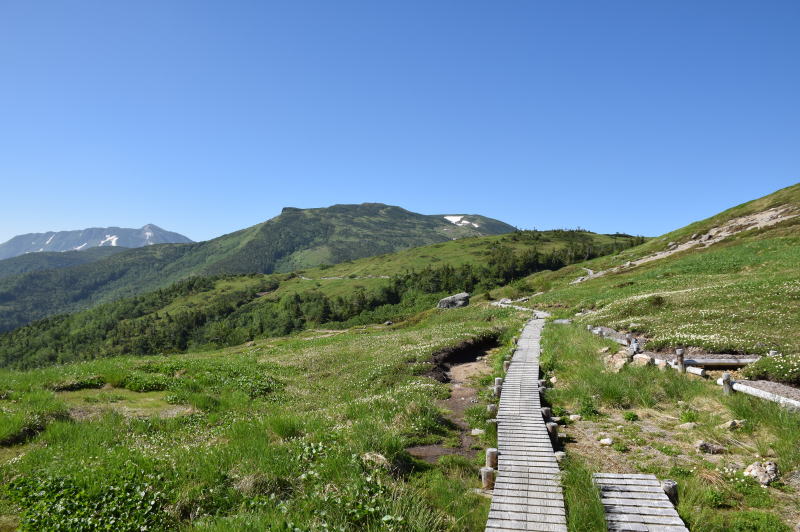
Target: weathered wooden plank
x,y
636,502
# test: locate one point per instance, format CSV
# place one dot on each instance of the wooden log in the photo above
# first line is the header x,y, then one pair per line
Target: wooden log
x,y
679,360
552,430
498,381
506,364
670,487
487,478
769,396
727,384
547,412
721,362
696,371
491,457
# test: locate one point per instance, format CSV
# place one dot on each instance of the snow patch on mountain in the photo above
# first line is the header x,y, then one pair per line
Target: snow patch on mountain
x,y
460,221
112,239
81,246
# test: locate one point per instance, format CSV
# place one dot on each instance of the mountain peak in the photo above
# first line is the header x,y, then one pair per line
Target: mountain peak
x,y
82,239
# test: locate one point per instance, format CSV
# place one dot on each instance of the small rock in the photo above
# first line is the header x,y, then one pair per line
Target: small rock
x,y
709,448
642,360
555,419
375,459
575,417
603,350
388,322
560,455
793,479
553,379
477,432
733,424
562,322
687,426
764,472
607,441
250,344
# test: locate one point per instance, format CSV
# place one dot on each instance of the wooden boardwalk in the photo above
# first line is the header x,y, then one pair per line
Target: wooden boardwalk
x,y
636,502
527,493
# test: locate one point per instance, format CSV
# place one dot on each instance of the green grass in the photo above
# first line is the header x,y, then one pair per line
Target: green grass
x,y
277,436
740,295
585,512
714,496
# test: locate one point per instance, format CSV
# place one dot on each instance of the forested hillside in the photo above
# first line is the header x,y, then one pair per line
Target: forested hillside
x,y
205,312
34,262
298,238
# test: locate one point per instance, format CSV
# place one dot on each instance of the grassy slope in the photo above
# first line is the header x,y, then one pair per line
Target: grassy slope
x,y
298,238
112,328
266,435
641,408
741,294
340,278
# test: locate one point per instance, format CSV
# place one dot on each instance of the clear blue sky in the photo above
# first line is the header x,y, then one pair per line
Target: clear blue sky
x,y
208,116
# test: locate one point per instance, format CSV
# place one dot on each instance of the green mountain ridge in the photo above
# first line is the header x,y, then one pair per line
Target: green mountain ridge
x,y
295,239
211,311
54,260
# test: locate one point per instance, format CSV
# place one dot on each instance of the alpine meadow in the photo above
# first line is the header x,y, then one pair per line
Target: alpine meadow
x,y
400,266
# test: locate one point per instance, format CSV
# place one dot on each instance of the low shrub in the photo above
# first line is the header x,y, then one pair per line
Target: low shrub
x,y
784,369
134,501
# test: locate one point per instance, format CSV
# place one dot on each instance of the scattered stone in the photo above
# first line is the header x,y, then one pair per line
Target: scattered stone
x,y
376,459
709,448
556,419
455,301
505,301
764,472
250,344
642,360
603,350
562,322
733,424
575,417
477,432
388,322
554,379
560,455
254,484
793,479
607,441
687,426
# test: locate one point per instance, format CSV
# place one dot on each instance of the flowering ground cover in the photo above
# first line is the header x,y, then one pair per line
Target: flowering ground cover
x,y
307,432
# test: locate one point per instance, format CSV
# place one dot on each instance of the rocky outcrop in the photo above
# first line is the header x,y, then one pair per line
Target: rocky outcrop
x,y
455,301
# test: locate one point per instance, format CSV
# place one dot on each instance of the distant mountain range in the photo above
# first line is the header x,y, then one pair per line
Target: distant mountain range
x,y
83,239
296,239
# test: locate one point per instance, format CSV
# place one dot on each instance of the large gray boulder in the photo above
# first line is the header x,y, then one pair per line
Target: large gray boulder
x,y
456,301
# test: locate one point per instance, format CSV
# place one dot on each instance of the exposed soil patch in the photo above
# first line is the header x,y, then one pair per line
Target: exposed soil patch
x,y
461,366
463,353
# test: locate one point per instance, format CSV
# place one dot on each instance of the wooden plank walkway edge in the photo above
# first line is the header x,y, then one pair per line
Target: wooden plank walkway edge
x,y
527,491
636,502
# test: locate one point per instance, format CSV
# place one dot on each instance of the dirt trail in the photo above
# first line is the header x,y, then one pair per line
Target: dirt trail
x,y
462,377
